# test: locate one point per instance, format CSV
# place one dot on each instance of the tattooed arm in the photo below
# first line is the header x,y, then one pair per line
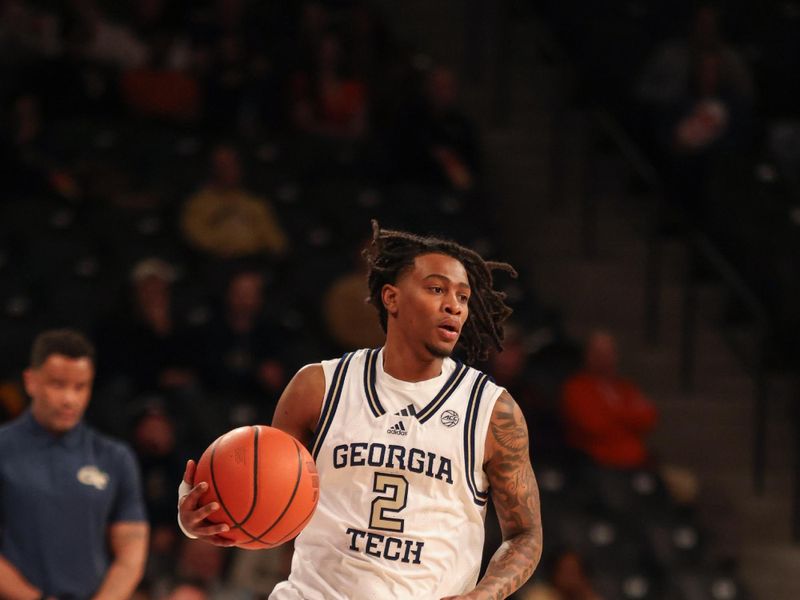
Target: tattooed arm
x,y
516,500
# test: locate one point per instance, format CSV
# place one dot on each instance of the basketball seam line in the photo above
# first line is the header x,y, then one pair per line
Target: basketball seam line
x,y
291,499
236,524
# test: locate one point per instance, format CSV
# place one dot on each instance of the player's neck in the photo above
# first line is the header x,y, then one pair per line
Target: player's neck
x,y
401,362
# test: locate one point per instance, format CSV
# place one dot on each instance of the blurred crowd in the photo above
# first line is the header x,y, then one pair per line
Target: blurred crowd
x,y
191,183
708,91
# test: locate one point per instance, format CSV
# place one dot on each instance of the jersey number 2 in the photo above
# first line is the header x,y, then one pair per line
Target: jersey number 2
x,y
395,490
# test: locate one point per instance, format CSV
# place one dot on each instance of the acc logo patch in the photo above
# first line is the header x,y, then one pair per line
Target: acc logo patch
x,y
449,418
91,475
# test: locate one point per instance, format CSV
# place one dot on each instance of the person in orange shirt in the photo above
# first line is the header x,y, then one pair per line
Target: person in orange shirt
x,y
606,416
325,100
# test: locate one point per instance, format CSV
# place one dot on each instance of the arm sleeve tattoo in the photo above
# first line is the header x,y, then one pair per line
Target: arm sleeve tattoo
x,y
516,499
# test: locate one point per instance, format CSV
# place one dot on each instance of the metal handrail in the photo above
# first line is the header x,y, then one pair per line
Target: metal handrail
x,y
628,148
643,168
703,248
698,247
723,268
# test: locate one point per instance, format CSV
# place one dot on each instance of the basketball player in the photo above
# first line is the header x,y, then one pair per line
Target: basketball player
x,y
409,444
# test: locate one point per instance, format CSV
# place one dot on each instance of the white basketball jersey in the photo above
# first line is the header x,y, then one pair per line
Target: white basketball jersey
x,y
402,488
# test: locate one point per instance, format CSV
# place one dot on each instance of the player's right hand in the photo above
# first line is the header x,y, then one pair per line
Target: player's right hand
x,y
194,518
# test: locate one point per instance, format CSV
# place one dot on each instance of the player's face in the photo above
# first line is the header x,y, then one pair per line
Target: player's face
x,y
59,391
432,303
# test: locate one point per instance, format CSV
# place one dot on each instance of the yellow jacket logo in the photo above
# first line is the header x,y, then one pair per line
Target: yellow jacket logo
x,y
91,475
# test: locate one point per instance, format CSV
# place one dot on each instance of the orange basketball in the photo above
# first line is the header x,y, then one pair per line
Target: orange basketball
x,y
265,482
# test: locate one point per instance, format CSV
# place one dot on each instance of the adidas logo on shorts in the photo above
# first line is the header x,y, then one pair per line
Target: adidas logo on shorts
x,y
397,429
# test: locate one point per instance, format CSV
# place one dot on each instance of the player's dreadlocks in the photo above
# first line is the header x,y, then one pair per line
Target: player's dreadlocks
x,y
390,252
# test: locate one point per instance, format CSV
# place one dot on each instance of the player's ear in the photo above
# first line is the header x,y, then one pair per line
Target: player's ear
x,y
389,295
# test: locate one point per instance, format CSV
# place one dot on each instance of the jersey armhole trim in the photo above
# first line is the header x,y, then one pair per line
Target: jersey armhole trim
x,y
331,403
480,497
370,390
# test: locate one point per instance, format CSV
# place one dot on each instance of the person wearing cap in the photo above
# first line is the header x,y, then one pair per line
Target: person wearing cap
x,y
148,329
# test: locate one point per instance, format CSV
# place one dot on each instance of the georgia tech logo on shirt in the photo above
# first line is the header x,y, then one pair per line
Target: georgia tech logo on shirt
x,y
91,475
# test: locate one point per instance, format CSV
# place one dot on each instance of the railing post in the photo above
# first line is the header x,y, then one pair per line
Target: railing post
x,y
476,41
796,491
501,80
588,198
688,326
652,288
558,170
760,412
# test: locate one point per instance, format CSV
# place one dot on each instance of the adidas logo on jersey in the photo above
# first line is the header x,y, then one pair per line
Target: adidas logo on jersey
x,y
397,429
408,411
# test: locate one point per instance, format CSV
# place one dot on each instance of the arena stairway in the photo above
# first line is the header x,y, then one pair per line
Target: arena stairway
x,y
707,430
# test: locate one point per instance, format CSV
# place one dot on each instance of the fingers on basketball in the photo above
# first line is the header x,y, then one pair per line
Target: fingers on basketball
x,y
265,482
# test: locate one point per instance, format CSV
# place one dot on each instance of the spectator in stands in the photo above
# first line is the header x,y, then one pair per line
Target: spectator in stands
x,y
510,368
326,100
369,41
201,562
707,117
606,420
434,140
375,59
224,220
28,32
160,455
668,74
606,417
231,48
259,572
711,121
206,567
242,349
12,399
148,330
30,165
349,318
155,441
314,23
188,590
699,92
106,41
163,85
567,579
158,24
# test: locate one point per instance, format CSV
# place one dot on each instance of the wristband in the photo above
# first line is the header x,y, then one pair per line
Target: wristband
x,y
183,489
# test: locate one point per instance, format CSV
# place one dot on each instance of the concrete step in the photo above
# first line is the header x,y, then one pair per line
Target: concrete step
x,y
710,429
618,235
707,440
767,518
765,568
437,27
758,519
524,166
